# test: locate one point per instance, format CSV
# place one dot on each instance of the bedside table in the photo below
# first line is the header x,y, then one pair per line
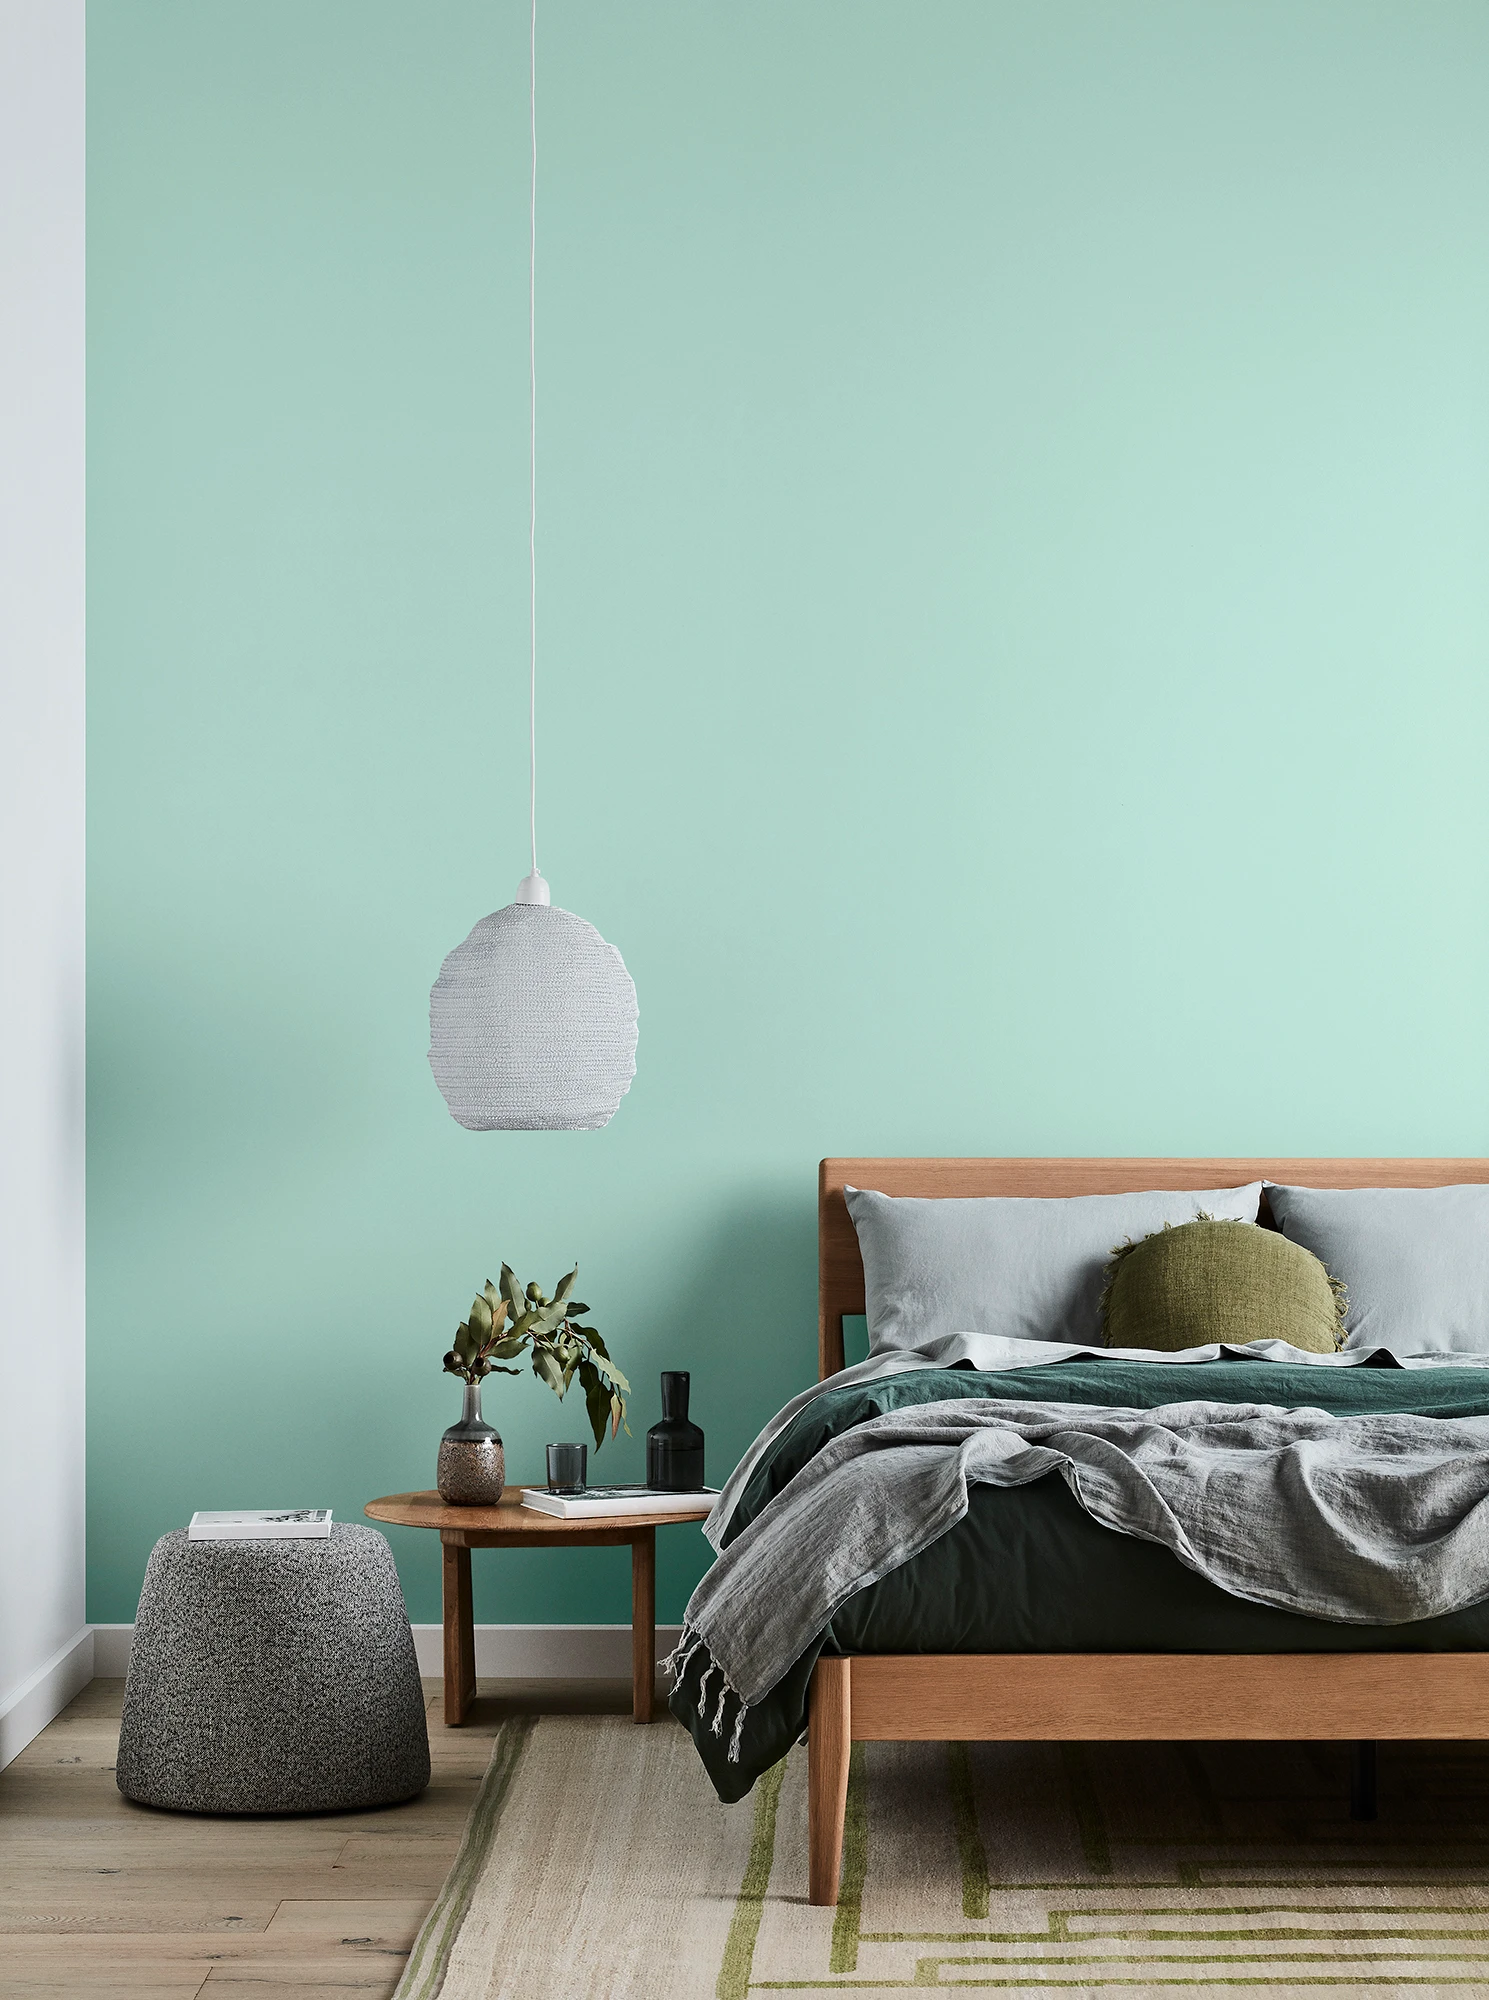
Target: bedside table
x,y
510,1525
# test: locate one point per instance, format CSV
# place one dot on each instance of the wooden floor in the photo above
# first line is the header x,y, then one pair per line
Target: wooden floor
x,y
99,1897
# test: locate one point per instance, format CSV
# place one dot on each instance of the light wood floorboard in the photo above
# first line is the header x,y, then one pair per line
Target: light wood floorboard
x,y
104,1900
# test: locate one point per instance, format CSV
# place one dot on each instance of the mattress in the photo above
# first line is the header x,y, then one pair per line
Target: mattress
x,y
1028,1570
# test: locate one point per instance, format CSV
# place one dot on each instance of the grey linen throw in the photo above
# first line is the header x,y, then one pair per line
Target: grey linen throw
x,y
1367,1520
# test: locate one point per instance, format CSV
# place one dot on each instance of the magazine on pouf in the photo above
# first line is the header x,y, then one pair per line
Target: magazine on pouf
x,y
262,1524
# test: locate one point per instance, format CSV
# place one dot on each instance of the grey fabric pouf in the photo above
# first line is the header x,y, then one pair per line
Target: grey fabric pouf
x,y
273,1677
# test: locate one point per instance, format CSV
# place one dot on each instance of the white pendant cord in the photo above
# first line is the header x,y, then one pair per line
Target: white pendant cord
x,y
534,889
532,407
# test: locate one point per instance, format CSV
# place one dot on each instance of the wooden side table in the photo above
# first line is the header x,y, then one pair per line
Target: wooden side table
x,y
510,1525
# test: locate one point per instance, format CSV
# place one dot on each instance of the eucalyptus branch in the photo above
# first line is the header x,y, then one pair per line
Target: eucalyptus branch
x,y
507,1320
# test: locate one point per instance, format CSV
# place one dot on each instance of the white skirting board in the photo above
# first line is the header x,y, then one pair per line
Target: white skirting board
x,y
46,1693
503,1652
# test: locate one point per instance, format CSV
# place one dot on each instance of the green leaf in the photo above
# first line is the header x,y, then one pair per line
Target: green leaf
x,y
616,1377
493,1296
599,1402
493,1369
505,1349
466,1346
591,1334
565,1287
480,1318
522,1327
511,1290
547,1369
577,1311
597,1407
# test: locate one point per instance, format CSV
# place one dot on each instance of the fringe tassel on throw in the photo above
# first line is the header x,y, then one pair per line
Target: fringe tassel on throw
x,y
691,1643
676,1662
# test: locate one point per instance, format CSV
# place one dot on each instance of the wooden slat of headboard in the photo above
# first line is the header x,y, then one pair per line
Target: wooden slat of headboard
x,y
840,1268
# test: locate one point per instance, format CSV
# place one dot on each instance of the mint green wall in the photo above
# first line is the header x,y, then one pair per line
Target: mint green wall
x,y
1014,619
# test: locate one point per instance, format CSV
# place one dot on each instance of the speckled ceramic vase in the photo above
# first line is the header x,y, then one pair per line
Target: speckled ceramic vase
x,y
472,1464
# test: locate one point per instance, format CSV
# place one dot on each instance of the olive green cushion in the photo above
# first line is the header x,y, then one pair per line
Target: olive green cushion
x,y
1219,1281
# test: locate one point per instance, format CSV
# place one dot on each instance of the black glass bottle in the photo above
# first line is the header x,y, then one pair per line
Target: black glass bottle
x,y
674,1447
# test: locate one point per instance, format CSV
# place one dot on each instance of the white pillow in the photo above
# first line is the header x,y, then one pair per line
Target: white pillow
x,y
1415,1261
1027,1268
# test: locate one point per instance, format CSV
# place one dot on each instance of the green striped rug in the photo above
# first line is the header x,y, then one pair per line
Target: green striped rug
x,y
599,1866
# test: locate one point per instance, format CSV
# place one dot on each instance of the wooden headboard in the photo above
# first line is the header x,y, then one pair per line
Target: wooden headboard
x,y
840,1268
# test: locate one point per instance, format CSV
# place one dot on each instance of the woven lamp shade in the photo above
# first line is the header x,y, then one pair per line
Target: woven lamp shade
x,y
532,1024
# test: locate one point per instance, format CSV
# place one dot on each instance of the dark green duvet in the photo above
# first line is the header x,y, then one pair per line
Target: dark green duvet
x,y
1029,1571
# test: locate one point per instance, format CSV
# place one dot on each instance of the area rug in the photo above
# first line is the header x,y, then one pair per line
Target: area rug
x,y
598,1865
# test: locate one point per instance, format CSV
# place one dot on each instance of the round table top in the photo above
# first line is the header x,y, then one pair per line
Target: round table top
x,y
509,1517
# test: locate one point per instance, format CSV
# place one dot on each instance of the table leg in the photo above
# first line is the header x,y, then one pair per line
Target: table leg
x,y
643,1623
460,1636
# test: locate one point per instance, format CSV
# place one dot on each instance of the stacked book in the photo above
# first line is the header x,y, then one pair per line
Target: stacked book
x,y
596,1502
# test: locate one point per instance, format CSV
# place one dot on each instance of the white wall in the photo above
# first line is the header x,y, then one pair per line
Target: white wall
x,y
45,1649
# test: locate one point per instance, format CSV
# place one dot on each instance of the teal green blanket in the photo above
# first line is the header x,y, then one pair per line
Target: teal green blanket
x,y
1028,1570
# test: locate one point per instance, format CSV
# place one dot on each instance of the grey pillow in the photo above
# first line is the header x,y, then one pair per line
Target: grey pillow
x,y
1030,1268
1415,1261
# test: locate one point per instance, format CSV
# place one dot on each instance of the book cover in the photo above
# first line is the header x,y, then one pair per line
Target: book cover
x,y
262,1524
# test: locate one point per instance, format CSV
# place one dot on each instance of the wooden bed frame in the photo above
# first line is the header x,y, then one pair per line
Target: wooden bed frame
x,y
1062,1697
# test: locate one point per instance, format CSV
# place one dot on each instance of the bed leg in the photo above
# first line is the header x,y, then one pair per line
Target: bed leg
x,y
1362,1781
829,1720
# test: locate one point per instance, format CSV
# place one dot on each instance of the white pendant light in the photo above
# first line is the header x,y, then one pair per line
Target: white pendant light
x,y
532,1021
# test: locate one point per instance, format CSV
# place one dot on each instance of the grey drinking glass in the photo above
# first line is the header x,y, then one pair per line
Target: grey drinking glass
x,y
566,1467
